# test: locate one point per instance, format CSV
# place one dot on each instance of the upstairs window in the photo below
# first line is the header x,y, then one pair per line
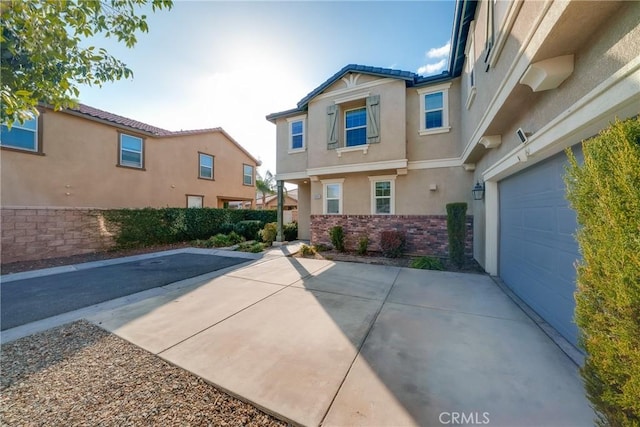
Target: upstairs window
x,y
355,127
296,134
206,166
434,109
131,151
247,175
21,136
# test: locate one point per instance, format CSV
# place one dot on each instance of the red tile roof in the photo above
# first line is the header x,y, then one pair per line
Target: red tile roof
x,y
134,124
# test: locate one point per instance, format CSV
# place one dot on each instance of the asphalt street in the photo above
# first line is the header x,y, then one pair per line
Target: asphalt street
x,y
28,300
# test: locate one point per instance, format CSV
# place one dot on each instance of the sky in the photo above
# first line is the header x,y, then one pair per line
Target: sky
x,y
206,64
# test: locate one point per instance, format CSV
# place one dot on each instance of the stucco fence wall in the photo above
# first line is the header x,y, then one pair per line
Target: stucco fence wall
x,y
425,234
41,233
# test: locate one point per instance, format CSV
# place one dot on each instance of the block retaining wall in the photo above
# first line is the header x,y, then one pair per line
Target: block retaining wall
x,y
40,233
425,234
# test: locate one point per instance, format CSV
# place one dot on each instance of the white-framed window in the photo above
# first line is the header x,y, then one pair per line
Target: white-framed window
x,y
355,127
332,196
195,201
383,195
131,151
434,109
247,174
22,136
297,127
205,163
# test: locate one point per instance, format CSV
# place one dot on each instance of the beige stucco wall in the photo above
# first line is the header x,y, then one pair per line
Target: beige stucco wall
x,y
598,55
435,146
304,211
412,191
78,169
392,126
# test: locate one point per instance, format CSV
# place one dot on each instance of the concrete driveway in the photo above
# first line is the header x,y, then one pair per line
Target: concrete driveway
x,y
329,343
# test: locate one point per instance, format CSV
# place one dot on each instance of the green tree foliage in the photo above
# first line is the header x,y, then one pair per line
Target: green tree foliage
x,y
456,230
42,54
605,193
266,186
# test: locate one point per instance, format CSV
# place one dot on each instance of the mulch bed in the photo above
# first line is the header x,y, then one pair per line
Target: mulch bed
x,y
79,374
377,259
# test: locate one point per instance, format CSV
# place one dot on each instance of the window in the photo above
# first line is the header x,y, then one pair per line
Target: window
x,y
131,151
206,166
382,195
332,196
247,175
194,201
355,127
296,134
434,109
21,136
360,115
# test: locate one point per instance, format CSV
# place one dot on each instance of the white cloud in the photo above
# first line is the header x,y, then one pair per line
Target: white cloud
x,y
439,52
432,68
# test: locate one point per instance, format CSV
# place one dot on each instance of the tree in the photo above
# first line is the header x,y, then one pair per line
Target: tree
x,y
42,57
266,186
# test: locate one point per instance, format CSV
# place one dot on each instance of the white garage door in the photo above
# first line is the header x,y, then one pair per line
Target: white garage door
x,y
537,245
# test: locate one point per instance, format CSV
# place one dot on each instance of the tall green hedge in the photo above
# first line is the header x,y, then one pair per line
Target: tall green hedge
x,y
456,230
605,193
145,227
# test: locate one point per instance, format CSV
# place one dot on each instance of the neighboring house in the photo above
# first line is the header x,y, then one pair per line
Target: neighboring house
x,y
271,201
526,80
85,157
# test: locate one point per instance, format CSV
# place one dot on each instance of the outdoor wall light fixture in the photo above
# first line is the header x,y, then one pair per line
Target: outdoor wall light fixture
x,y
478,191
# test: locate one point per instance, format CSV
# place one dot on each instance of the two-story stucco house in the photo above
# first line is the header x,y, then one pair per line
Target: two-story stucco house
x,y
62,169
86,157
374,149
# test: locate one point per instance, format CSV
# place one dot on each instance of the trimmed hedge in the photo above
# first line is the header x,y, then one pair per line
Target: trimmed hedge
x,y
149,226
456,224
605,193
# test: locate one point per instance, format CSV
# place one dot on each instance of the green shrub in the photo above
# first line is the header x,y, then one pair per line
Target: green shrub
x,y
337,237
253,247
392,243
427,263
269,233
226,228
145,227
235,238
363,245
321,247
605,193
290,231
248,229
220,241
307,250
456,230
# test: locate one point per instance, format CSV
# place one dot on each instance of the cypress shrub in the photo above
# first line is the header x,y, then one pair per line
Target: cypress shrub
x,y
456,227
605,193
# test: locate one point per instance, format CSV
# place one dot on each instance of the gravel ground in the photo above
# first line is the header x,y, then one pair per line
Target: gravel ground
x,y
79,374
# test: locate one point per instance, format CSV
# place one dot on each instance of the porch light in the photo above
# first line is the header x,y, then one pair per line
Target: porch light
x,y
478,191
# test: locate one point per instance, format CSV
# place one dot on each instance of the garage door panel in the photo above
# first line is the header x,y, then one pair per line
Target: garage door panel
x,y
537,245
